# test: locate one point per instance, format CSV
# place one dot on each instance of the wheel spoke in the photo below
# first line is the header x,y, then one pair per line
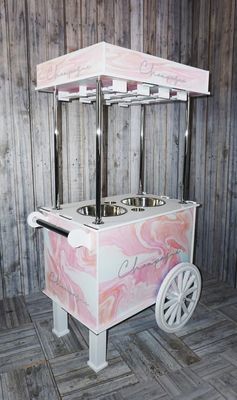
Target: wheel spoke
x,y
185,309
170,303
169,311
185,279
190,281
175,287
191,290
190,300
173,315
171,295
177,297
178,317
180,282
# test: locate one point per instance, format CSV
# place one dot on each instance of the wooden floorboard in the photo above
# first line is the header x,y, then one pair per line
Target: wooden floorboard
x,y
229,343
198,362
176,347
229,311
182,383
39,306
56,347
135,324
230,355
144,391
226,384
13,313
212,334
202,393
75,379
141,360
218,295
19,347
202,318
29,383
111,396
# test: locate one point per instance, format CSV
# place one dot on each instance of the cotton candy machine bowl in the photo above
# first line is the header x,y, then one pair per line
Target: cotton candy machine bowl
x,y
107,210
140,201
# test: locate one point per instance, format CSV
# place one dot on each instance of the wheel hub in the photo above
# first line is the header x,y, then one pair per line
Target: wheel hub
x,y
181,298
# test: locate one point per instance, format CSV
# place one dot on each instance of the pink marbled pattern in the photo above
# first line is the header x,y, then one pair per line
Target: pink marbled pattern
x,y
141,67
73,66
148,250
107,60
63,263
81,258
124,277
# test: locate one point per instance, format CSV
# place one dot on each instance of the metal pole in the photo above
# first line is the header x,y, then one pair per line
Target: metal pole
x,y
99,132
52,227
56,204
186,153
142,150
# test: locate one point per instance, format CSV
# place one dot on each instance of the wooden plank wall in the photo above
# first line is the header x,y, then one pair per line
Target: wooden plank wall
x,y
201,33
214,160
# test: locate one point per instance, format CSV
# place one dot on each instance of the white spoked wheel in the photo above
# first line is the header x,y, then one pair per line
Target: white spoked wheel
x,y
177,297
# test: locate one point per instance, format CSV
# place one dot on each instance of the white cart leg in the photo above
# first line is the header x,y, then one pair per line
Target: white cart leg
x,y
60,323
97,351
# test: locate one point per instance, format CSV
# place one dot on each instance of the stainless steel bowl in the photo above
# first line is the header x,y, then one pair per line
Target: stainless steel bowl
x,y
140,201
107,210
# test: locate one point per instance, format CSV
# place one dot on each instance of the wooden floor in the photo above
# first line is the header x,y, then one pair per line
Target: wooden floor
x,y
200,362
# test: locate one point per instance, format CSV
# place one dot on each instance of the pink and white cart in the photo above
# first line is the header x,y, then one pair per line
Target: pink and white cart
x,y
108,259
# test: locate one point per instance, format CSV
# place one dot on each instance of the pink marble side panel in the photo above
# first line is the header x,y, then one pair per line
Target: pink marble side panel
x,y
80,64
142,67
135,258
70,276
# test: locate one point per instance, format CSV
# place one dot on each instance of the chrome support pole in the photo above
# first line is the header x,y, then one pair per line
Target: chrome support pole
x,y
99,133
56,202
142,151
185,173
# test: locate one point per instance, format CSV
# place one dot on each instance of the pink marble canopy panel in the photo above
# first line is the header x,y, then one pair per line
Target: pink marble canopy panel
x,y
108,61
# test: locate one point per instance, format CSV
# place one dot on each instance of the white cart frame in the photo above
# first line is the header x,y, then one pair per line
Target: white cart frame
x,y
108,74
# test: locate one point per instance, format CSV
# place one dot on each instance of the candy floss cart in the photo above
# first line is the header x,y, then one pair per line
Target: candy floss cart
x,y
108,259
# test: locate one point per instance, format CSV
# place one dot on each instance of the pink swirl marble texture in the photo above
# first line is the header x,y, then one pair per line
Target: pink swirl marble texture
x,y
61,259
168,241
80,258
72,66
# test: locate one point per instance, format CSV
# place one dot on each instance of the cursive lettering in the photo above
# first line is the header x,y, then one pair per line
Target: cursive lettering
x,y
152,69
54,278
126,268
58,72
